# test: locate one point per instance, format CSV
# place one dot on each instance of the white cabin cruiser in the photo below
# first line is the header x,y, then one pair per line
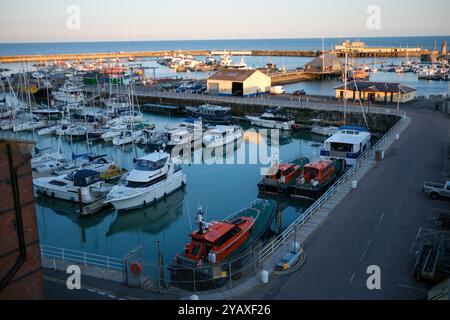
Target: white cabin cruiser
x,y
221,136
127,137
69,93
273,119
84,186
41,159
348,144
155,176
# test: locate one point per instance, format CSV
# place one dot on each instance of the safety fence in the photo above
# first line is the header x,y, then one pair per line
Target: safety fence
x,y
83,258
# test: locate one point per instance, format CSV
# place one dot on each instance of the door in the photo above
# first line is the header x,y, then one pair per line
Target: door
x,y
237,89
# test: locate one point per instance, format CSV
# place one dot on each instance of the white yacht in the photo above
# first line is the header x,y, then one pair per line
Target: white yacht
x,y
113,132
84,186
127,137
29,126
155,176
348,144
180,138
273,119
69,93
221,136
324,131
41,159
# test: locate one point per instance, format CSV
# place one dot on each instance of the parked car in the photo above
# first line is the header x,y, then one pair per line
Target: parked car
x,y
299,93
437,190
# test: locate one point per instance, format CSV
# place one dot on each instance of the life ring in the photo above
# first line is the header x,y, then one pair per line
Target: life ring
x,y
136,269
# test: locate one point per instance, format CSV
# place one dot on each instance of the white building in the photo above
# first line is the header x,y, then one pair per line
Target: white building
x,y
233,82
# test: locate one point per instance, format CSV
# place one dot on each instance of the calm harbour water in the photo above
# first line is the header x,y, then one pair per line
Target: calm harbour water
x,y
220,189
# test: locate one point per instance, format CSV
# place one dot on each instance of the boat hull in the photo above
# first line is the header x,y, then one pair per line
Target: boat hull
x,y
150,194
286,126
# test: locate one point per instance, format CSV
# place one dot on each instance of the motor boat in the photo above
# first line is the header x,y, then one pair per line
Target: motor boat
x,y
85,186
221,136
127,137
273,119
154,177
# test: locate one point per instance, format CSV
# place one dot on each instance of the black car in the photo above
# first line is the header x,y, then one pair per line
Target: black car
x,y
299,93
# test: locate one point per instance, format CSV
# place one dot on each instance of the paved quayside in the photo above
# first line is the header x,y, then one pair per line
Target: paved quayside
x,y
374,225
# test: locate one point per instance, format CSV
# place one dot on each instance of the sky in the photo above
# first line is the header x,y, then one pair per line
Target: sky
x,y
146,20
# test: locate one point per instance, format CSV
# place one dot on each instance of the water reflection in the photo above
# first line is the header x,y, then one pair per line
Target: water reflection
x,y
150,220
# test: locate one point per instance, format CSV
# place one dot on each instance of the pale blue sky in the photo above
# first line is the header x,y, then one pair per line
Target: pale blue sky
x,y
107,20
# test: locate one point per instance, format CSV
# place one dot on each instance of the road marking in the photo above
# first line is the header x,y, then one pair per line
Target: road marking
x,y
353,277
112,296
379,222
411,288
101,293
365,251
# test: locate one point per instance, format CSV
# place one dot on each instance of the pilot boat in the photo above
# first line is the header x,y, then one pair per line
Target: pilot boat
x,y
316,178
154,177
84,186
217,248
280,177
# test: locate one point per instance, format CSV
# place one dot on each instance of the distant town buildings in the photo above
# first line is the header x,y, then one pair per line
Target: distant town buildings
x,y
360,49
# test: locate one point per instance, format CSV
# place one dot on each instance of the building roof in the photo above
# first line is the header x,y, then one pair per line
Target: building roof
x,y
393,87
326,59
233,75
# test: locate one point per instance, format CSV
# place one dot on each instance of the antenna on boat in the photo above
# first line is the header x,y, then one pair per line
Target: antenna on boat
x,y
202,225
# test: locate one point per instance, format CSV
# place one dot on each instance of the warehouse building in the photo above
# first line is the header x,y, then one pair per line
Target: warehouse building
x,y
233,82
386,92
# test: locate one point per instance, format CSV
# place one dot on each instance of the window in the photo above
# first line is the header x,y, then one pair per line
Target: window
x,y
227,236
341,147
57,183
145,165
195,250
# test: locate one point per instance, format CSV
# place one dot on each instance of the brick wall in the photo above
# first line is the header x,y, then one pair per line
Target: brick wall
x,y
27,282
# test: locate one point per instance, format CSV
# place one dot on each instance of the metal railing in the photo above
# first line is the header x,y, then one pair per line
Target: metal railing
x,y
87,259
271,102
268,251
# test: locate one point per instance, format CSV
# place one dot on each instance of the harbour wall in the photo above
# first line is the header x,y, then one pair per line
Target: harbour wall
x,y
379,123
155,54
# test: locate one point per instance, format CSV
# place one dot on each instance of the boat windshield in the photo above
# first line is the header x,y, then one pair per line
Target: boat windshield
x,y
311,173
146,165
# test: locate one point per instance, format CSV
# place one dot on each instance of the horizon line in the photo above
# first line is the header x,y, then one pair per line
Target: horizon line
x,y
221,39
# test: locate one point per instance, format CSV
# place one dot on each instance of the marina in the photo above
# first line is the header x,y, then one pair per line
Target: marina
x,y
211,169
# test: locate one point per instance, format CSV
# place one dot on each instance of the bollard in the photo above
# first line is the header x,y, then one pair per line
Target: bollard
x,y
264,277
194,298
354,184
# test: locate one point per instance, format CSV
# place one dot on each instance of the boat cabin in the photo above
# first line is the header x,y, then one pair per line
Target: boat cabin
x,y
286,173
84,178
348,144
318,172
218,238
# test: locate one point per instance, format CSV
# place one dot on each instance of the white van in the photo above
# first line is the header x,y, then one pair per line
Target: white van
x,y
277,90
